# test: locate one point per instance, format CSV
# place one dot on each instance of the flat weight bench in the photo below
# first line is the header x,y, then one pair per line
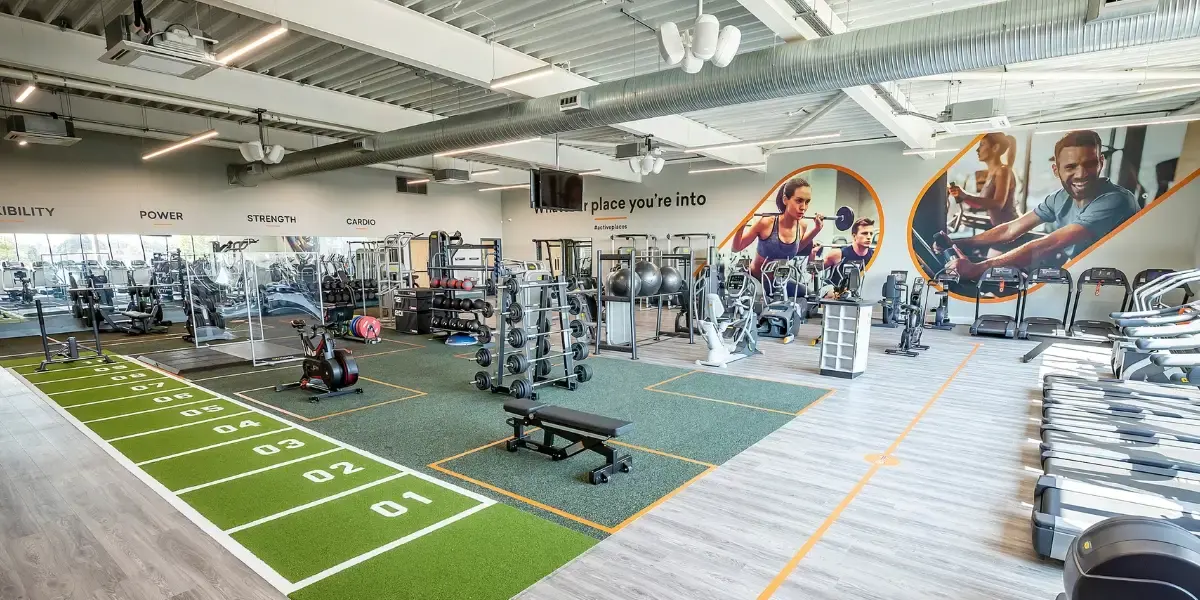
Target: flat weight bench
x,y
585,431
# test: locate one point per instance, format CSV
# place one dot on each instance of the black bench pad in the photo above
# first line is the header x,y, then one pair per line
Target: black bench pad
x,y
575,419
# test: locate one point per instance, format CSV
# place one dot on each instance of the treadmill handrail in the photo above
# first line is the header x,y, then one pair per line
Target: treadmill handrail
x,y
1147,295
1176,360
1166,310
1181,343
1154,331
1156,321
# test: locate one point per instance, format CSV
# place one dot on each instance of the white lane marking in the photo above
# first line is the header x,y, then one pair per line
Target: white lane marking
x,y
203,448
108,374
47,372
242,373
99,387
255,471
296,509
70,406
142,412
133,435
334,570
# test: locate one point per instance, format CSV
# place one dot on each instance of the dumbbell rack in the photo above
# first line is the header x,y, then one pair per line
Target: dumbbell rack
x,y
521,330
477,315
442,266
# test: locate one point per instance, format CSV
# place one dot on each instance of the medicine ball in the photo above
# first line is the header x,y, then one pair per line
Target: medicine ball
x,y
671,280
618,283
651,279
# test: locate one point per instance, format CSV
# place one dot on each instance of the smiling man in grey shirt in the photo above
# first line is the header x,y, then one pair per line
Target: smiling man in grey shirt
x,y
1085,210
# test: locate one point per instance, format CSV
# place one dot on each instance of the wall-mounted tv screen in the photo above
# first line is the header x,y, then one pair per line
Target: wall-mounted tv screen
x,y
555,190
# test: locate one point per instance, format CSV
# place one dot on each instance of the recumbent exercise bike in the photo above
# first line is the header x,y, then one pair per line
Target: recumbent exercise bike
x,y
328,371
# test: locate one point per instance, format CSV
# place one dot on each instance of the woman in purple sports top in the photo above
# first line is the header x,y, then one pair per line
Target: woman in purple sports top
x,y
785,235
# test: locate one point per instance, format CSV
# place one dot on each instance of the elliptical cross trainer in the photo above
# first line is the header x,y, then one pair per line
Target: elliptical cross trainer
x,y
328,372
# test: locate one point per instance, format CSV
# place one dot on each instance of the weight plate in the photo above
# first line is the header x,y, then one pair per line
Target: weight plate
x,y
483,381
488,311
520,389
583,373
485,335
515,313
579,351
483,357
516,363
516,338
542,370
544,346
576,305
578,329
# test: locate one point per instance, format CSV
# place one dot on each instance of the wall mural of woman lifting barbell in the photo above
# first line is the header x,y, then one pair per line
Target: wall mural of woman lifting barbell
x,y
1039,199
819,217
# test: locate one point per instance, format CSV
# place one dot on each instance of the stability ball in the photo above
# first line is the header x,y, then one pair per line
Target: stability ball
x,y
671,280
618,283
651,280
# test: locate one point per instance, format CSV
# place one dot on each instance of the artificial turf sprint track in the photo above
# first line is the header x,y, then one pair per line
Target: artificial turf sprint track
x,y
314,517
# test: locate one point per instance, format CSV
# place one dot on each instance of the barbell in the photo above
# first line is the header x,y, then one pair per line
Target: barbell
x,y
519,363
843,219
521,388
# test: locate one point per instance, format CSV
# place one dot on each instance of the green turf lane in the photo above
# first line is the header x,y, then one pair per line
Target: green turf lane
x,y
111,392
160,418
239,457
173,441
249,498
491,555
143,401
70,381
312,540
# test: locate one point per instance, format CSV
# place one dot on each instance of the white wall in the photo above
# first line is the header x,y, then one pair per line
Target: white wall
x,y
1154,241
102,185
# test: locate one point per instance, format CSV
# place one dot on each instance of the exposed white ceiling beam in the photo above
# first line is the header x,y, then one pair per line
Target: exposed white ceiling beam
x,y
74,55
427,43
93,114
781,18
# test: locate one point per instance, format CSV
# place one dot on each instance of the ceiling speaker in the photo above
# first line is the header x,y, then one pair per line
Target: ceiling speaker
x,y
727,46
670,44
704,37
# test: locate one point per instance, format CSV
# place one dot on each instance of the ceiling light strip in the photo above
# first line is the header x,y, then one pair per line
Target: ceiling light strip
x,y
1104,125
416,182
504,187
592,172
485,172
728,168
924,151
195,139
487,147
254,45
522,77
26,93
744,144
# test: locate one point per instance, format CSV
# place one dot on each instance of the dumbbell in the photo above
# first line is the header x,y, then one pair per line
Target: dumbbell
x,y
519,363
521,388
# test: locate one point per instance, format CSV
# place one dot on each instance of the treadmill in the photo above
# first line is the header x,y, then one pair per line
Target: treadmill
x,y
1046,325
1143,278
999,325
1099,277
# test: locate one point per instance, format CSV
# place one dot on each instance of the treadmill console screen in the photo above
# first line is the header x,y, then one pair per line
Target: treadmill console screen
x,y
1049,273
1105,275
1152,274
1007,274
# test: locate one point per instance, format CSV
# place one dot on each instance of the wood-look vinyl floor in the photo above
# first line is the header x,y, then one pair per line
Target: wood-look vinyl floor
x,y
949,520
74,524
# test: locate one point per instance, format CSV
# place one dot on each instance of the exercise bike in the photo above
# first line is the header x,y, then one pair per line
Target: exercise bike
x,y
788,304
735,336
328,372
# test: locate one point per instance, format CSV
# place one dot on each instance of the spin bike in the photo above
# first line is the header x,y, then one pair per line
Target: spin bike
x,y
328,372
787,306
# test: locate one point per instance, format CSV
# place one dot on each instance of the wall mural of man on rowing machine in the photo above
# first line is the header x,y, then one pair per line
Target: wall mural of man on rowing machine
x,y
1035,199
815,218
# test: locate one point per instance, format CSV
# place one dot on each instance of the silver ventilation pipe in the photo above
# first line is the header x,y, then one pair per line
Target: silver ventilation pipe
x,y
994,34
